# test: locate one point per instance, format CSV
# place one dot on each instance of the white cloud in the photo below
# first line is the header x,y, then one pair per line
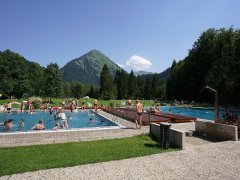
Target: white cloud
x,y
138,63
121,65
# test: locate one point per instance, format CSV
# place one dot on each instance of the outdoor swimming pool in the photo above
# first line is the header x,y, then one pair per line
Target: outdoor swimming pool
x,y
79,119
194,112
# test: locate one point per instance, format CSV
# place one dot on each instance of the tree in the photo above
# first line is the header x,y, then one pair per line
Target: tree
x,y
121,83
107,86
36,78
147,88
53,81
93,92
162,90
66,89
117,82
214,61
154,86
14,78
140,90
132,85
76,89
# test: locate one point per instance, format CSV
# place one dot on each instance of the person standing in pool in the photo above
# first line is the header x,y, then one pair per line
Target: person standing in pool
x,y
8,124
21,123
39,126
62,115
65,124
139,111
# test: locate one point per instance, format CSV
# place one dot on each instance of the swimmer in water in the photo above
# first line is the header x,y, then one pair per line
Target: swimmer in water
x,y
91,120
8,124
21,123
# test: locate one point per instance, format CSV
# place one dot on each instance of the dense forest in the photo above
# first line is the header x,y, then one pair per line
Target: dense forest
x,y
214,61
21,78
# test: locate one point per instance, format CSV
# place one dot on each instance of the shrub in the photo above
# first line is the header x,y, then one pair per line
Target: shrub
x,y
36,102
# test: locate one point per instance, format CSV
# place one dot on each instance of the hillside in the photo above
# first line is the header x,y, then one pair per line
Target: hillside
x,y
140,73
87,68
165,74
162,76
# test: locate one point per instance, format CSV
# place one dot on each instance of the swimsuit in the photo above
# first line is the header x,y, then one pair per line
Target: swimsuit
x,y
139,113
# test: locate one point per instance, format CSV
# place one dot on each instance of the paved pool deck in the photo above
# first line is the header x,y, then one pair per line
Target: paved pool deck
x,y
200,159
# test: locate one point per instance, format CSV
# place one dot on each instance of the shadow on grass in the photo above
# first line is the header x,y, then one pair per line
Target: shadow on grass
x,y
152,145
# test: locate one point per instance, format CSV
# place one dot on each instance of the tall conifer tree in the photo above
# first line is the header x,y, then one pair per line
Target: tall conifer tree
x,y
147,87
132,85
53,81
107,89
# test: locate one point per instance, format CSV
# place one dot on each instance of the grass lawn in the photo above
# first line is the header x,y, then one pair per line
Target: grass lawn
x,y
105,102
30,158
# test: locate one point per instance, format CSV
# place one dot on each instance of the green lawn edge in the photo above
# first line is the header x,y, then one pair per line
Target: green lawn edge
x,y
15,160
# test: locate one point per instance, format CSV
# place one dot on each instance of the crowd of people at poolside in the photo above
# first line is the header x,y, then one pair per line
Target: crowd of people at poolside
x,y
67,104
73,105
70,105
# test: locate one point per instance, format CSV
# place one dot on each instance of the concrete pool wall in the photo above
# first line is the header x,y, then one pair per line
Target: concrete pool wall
x,y
177,136
216,130
59,136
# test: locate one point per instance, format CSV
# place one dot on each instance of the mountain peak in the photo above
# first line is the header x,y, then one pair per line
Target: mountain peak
x,y
87,68
95,51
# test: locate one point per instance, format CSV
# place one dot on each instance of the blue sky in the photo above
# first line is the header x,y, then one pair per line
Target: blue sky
x,y
139,34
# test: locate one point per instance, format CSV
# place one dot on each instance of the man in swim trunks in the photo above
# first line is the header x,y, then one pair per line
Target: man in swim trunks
x,y
9,107
139,111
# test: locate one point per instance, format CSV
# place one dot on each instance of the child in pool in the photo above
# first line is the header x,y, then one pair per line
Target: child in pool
x,y
21,123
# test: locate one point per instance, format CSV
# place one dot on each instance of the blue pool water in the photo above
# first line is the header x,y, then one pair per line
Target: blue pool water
x,y
194,112
79,119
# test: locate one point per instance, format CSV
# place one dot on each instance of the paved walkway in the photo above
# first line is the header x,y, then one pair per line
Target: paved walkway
x,y
199,160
